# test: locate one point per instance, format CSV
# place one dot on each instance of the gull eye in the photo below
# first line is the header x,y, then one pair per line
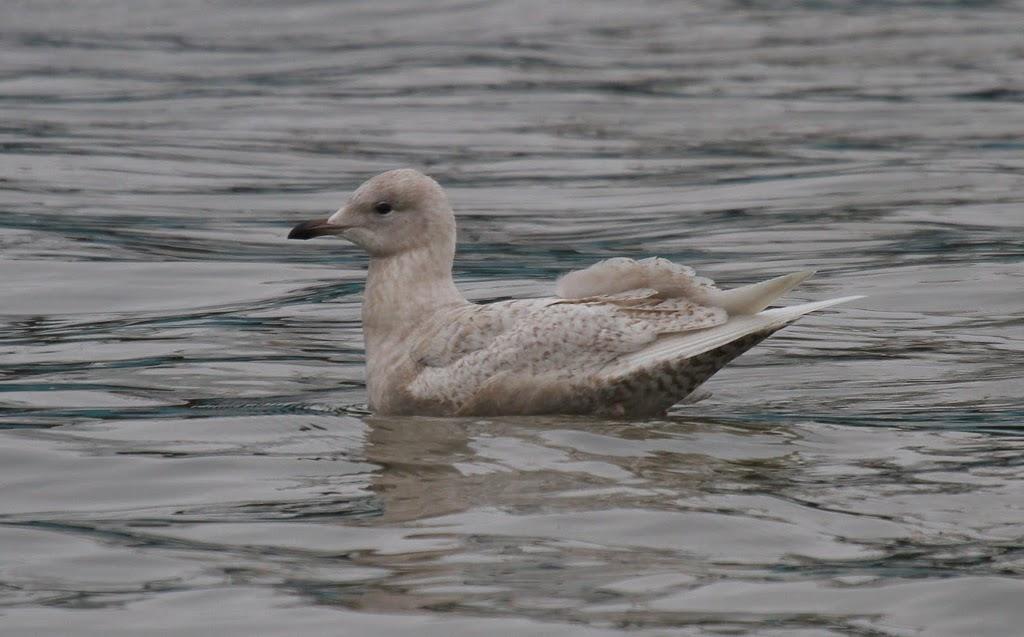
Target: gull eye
x,y
382,208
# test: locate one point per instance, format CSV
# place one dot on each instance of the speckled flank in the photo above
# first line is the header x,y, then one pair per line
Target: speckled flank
x,y
653,391
540,348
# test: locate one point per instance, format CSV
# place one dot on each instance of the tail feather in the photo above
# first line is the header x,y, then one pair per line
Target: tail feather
x,y
751,299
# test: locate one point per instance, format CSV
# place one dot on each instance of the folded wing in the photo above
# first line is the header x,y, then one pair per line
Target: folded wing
x,y
624,337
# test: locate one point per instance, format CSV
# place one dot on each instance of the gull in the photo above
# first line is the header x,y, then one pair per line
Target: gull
x,y
621,338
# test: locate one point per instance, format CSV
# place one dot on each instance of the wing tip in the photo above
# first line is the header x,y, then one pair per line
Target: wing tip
x,y
796,311
694,343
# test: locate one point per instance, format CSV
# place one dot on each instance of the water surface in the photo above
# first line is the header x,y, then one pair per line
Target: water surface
x,y
184,445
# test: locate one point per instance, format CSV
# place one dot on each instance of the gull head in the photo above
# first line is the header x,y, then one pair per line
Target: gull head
x,y
392,213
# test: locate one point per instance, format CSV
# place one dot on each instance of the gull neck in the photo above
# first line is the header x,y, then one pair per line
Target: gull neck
x,y
408,288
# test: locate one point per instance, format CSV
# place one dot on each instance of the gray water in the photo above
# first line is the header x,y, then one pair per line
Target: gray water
x,y
185,448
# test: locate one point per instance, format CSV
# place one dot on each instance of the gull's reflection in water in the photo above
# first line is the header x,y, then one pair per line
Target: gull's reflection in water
x,y
432,467
482,510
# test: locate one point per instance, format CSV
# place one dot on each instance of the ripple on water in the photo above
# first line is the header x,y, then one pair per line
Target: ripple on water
x,y
184,436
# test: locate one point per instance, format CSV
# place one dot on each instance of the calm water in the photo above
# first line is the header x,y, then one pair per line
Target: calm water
x,y
184,444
